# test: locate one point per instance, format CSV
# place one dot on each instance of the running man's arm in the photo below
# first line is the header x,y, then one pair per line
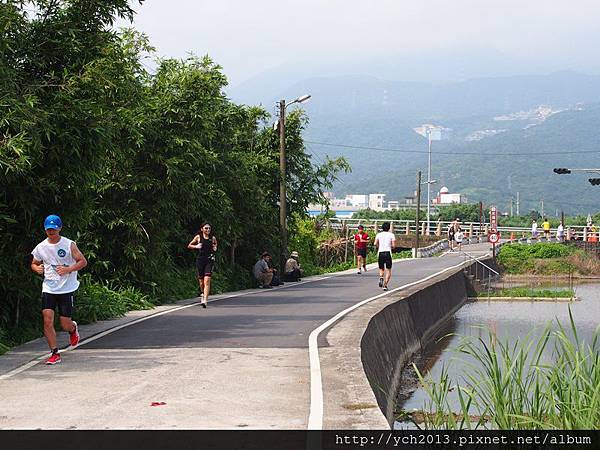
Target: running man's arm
x,y
214,244
394,242
376,243
80,262
37,266
193,245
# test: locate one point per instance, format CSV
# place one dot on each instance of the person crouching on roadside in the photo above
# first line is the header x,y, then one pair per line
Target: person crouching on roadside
x,y
292,272
262,272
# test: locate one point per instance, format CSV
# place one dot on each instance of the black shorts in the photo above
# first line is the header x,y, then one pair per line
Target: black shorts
x,y
384,259
205,267
361,252
64,302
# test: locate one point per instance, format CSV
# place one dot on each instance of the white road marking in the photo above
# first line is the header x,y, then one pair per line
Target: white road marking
x,y
42,358
315,418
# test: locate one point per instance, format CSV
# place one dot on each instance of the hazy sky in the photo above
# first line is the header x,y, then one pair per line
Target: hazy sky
x,y
248,37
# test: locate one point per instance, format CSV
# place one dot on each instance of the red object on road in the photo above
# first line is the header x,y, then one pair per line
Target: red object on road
x,y
157,403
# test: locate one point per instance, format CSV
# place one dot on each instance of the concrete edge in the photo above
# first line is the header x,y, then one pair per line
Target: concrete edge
x,y
349,398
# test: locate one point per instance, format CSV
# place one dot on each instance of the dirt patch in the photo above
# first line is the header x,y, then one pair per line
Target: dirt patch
x,y
357,406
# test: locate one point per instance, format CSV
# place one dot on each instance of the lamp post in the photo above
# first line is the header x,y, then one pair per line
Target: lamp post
x,y
282,167
432,133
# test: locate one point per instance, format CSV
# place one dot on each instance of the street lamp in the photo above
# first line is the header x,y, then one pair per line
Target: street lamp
x,y
593,181
282,195
432,133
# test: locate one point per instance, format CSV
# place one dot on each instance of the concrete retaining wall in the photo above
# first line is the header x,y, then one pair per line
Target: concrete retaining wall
x,y
400,329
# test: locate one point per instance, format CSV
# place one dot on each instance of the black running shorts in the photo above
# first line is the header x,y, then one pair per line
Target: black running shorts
x,y
384,259
63,301
205,267
361,252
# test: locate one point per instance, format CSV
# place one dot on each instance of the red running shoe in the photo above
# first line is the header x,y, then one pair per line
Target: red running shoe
x,y
74,335
54,359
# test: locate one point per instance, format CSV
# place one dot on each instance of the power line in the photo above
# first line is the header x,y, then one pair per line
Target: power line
x,y
383,149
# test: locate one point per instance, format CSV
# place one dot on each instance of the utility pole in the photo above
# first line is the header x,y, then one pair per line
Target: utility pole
x,y
480,217
417,214
428,181
542,204
282,194
518,213
511,206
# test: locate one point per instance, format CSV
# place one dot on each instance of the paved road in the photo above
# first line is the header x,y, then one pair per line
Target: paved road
x,y
242,362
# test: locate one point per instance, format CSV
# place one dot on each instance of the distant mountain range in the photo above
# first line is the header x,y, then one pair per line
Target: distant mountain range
x,y
489,118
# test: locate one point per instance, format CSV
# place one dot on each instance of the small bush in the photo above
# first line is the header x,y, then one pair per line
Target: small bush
x,y
97,301
541,259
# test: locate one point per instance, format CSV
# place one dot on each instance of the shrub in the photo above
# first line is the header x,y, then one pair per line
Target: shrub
x,y
101,301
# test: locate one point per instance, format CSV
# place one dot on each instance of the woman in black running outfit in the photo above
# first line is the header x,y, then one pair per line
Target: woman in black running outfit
x,y
206,244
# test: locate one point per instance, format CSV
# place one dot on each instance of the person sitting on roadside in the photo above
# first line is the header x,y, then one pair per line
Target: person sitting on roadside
x,y
292,271
262,272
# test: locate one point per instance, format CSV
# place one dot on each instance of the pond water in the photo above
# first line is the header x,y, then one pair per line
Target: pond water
x,y
507,320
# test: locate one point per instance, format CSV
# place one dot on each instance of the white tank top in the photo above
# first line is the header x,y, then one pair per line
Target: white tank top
x,y
54,255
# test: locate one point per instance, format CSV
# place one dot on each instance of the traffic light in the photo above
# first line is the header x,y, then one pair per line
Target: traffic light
x,y
561,170
594,181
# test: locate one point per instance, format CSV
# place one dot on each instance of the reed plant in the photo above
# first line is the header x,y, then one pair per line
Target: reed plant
x,y
549,382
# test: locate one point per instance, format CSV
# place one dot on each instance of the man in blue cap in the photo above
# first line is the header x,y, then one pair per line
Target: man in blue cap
x,y
57,259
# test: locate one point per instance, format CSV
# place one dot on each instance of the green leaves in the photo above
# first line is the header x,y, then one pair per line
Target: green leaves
x,y
133,161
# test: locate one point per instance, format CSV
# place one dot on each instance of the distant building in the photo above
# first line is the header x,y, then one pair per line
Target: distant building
x,y
393,205
357,200
376,202
444,197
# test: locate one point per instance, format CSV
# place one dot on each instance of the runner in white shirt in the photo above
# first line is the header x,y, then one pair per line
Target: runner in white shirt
x,y
385,243
57,259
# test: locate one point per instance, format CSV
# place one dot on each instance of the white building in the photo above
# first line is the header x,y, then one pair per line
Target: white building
x,y
444,197
393,205
376,202
357,200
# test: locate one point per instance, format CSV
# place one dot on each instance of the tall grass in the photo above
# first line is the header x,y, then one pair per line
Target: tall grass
x,y
552,382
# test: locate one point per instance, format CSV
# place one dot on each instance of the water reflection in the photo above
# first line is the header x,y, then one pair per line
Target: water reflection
x,y
508,321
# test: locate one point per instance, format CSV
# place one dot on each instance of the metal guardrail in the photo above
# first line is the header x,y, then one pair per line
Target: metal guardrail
x,y
439,227
480,271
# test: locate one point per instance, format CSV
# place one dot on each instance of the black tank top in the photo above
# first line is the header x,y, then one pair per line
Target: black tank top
x,y
206,251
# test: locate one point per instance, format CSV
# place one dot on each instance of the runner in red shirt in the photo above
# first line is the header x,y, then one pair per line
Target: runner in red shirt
x,y
361,239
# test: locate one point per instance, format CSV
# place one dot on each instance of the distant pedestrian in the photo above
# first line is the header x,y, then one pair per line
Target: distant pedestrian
x,y
361,240
385,243
262,272
560,233
458,237
206,244
534,229
58,260
593,233
293,271
546,228
451,231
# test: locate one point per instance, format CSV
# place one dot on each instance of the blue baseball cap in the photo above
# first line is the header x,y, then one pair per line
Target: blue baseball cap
x,y
52,222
